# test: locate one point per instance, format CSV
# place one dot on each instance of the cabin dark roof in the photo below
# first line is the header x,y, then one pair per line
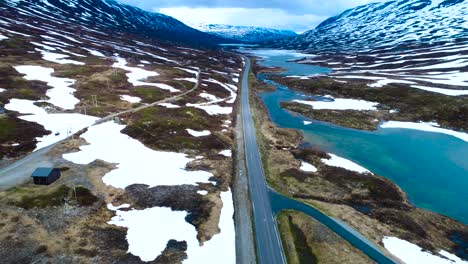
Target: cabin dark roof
x,y
42,172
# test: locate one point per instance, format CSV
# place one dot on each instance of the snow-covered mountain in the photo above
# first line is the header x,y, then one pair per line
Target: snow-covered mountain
x,y
111,15
247,34
392,23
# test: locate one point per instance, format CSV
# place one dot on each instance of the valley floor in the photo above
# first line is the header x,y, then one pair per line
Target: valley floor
x,y
143,134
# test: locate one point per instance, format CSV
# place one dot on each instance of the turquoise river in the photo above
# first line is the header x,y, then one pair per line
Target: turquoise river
x,y
432,168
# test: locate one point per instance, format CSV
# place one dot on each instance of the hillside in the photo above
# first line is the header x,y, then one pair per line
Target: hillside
x,y
392,23
113,16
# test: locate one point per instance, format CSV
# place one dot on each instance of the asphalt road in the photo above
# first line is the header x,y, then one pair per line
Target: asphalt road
x,y
268,243
20,171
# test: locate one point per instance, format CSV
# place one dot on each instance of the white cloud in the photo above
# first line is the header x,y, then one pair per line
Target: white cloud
x,y
263,17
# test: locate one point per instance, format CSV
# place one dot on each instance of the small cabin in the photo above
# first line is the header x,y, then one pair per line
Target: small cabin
x,y
45,176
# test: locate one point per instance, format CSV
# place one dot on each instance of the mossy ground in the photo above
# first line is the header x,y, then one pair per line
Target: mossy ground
x,y
17,136
165,129
51,197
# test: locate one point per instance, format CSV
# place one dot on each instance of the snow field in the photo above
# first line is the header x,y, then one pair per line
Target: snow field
x,y
410,253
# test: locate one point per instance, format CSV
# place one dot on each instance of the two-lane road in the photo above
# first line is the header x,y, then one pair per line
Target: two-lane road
x,y
268,242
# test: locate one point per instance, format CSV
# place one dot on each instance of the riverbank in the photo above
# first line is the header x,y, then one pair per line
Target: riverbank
x,y
393,102
373,205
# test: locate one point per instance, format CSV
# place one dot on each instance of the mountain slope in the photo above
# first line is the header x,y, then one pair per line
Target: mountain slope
x,y
247,34
393,23
114,16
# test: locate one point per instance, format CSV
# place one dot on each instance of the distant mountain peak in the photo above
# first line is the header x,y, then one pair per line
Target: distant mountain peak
x,y
244,33
392,23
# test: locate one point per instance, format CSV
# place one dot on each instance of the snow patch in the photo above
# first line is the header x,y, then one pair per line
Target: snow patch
x,y
382,83
340,104
337,161
198,133
307,167
413,254
95,52
25,107
227,153
169,105
213,109
58,58
61,94
130,99
429,127
450,92
136,76
61,126
134,159
149,231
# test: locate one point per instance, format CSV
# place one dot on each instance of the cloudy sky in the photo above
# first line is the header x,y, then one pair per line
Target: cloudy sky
x,y
296,15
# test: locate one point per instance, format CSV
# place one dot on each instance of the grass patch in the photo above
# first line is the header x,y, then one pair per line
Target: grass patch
x,y
7,128
56,197
295,243
149,94
74,71
163,128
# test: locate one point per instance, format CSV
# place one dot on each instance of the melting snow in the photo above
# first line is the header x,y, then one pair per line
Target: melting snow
x,y
2,37
25,107
134,159
337,161
413,254
430,127
61,94
210,97
213,109
198,133
305,166
149,231
168,105
450,92
341,104
194,80
382,83
227,153
61,126
130,99
202,192
94,52
137,75
188,70
58,58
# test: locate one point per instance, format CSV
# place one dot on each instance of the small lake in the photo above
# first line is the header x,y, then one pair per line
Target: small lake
x,y
432,168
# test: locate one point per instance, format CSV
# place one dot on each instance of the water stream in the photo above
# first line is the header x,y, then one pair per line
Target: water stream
x,y
432,168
